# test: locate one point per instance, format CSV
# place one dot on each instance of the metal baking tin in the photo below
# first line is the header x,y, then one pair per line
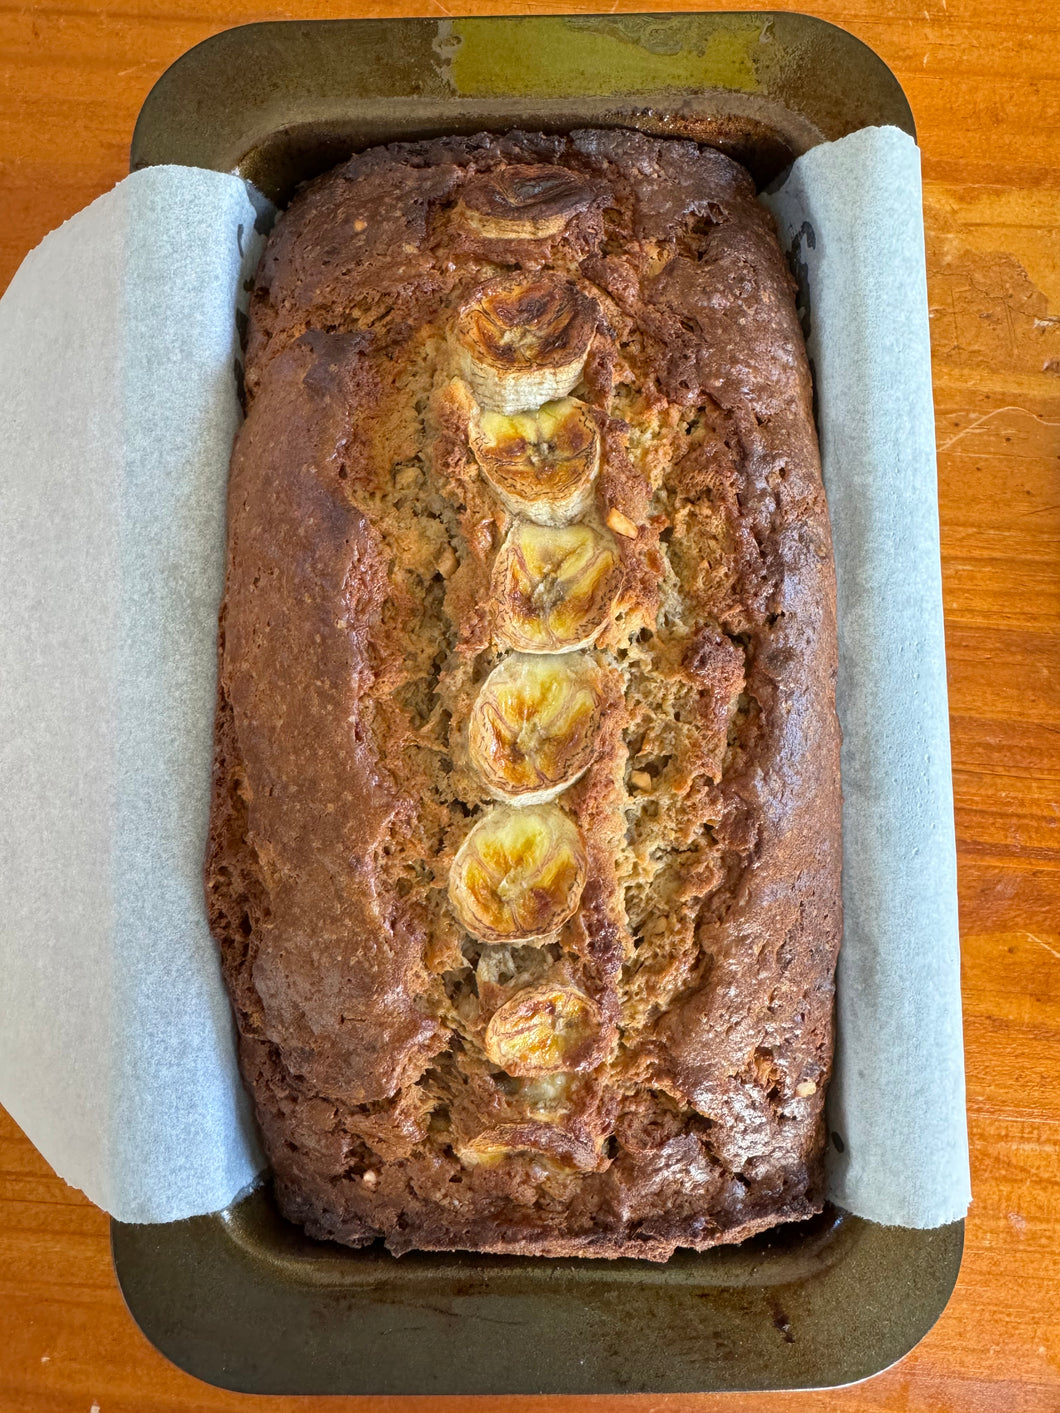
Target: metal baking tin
x,y
243,1299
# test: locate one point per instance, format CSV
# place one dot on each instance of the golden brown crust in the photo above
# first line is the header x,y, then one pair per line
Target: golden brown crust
x,y
693,985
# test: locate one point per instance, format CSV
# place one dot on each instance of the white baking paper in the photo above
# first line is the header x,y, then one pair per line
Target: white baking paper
x,y
850,212
118,407
118,400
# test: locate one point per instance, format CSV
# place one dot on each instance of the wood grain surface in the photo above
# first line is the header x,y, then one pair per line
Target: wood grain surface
x,y
983,79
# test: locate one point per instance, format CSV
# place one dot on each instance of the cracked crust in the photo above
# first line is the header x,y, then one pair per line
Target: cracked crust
x,y
357,628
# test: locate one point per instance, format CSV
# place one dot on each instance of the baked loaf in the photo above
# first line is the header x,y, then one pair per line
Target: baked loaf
x,y
524,855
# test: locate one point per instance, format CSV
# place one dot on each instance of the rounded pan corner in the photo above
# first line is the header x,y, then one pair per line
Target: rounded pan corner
x,y
950,1256
145,1316
886,90
911,1294
173,85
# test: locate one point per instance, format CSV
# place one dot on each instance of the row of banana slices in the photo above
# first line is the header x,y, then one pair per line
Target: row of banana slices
x,y
522,344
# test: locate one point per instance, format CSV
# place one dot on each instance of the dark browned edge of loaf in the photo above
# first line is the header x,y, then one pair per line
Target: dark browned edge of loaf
x,y
329,846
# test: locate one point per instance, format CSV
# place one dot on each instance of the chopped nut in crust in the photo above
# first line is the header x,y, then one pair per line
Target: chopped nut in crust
x,y
621,524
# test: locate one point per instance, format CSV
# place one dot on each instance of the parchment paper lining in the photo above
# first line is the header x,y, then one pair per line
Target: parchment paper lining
x,y
117,354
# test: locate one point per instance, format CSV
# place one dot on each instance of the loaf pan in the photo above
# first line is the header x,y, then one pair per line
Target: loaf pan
x,y
243,1299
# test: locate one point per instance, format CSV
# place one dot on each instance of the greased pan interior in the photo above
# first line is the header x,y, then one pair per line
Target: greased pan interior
x,y
244,1300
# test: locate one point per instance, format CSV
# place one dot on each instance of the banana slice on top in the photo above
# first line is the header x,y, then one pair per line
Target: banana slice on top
x,y
523,340
555,587
556,1149
543,1029
522,202
532,730
519,874
540,464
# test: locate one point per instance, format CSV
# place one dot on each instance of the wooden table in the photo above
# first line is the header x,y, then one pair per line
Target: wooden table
x,y
984,82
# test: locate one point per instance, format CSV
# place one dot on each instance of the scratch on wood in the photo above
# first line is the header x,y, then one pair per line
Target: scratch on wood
x,y
977,422
1040,943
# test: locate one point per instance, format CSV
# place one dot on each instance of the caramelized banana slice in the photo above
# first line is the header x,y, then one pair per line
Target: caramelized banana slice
x,y
524,339
541,464
533,726
555,1147
518,875
543,1029
555,587
522,203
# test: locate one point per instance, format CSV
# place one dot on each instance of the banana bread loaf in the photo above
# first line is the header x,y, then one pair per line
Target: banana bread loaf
x,y
524,855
